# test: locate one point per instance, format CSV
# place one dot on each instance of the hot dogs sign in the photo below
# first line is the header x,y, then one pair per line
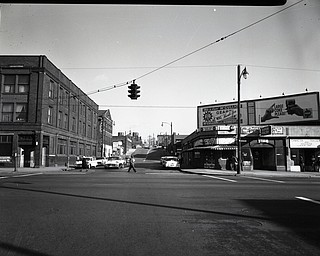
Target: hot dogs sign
x,y
287,109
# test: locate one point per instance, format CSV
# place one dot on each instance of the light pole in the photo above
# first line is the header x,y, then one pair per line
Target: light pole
x,y
171,141
240,73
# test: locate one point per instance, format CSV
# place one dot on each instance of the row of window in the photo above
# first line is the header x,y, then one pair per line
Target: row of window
x,y
62,148
63,123
65,96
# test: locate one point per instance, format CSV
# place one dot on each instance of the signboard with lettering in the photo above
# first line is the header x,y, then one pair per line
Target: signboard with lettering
x,y
305,143
220,114
288,109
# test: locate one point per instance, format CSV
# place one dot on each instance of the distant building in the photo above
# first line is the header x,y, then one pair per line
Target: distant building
x,y
105,124
45,119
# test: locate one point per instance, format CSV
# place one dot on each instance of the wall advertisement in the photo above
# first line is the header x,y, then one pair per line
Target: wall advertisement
x,y
220,114
297,108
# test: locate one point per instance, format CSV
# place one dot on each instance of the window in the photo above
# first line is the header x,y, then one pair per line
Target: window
x,y
62,146
51,89
73,126
16,83
7,112
9,83
23,83
60,119
21,112
50,109
6,138
84,129
61,96
73,148
65,121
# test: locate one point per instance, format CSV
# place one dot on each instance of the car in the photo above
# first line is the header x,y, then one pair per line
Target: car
x,y
91,162
101,161
170,162
162,159
115,162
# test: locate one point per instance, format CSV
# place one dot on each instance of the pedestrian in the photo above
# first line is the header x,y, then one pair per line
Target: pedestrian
x,y
234,163
301,163
131,164
84,164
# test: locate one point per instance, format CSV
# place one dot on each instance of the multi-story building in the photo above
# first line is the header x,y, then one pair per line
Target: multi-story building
x,y
105,124
45,119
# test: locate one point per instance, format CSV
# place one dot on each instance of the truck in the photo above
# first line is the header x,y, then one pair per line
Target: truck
x,y
91,162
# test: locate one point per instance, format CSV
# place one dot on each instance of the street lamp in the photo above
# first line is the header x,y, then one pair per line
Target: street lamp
x,y
171,141
245,74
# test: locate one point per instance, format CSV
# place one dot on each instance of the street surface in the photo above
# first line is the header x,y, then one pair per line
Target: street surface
x,y
158,212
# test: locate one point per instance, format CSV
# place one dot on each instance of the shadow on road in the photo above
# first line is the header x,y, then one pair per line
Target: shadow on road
x,y
21,250
299,216
137,203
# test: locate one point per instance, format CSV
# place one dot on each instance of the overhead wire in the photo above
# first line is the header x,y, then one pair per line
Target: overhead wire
x,y
197,50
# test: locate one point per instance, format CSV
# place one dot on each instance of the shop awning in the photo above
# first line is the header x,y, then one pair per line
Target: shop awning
x,y
216,147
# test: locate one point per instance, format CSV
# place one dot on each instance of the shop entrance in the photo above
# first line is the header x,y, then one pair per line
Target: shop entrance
x,y
263,157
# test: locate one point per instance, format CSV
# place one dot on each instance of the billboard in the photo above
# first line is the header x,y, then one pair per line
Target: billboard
x,y
220,114
288,109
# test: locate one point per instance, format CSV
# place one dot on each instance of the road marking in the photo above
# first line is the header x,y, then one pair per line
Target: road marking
x,y
255,178
219,178
307,199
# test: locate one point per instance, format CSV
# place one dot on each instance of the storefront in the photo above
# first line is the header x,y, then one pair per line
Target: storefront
x,y
307,150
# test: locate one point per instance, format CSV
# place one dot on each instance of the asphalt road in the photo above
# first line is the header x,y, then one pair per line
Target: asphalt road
x,y
158,212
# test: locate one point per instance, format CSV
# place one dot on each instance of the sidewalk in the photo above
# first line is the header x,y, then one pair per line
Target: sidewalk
x,y
255,173
44,170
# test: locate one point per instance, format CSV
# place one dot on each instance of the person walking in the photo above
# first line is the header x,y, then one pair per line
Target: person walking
x,y
301,163
131,164
84,164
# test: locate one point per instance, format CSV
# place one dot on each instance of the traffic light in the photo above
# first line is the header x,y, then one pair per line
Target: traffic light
x,y
133,91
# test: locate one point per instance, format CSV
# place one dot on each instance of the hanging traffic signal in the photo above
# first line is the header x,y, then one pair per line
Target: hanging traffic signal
x,y
133,91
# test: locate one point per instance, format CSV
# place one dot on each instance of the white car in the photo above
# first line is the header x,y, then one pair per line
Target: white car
x,y
115,162
101,161
91,162
170,162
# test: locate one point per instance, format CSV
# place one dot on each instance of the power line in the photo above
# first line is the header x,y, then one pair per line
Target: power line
x,y
199,49
163,107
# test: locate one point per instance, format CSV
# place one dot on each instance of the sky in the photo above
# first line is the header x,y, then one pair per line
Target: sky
x,y
104,47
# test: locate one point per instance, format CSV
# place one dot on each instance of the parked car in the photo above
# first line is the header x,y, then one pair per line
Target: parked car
x,y
115,162
170,162
101,161
162,159
91,162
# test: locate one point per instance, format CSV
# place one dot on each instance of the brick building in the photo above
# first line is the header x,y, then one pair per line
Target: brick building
x,y
45,119
105,124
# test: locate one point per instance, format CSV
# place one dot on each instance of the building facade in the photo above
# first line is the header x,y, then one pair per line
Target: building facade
x,y
275,133
105,124
45,119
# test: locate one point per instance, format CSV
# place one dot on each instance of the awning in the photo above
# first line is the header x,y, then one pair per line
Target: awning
x,y
216,147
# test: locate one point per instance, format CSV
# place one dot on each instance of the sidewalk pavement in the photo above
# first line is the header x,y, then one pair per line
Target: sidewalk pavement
x,y
253,173
44,170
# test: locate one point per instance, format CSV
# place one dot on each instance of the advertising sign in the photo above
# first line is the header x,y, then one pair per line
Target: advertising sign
x,y
305,143
296,108
220,114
